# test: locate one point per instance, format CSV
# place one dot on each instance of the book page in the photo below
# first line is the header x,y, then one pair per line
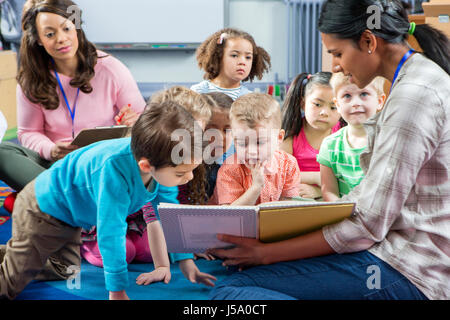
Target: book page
x,y
189,228
201,231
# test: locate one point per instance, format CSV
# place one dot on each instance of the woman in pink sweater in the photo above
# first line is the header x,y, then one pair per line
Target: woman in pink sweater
x,y
64,85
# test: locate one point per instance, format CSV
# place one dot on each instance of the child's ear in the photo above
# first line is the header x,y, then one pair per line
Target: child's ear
x,y
281,135
381,101
145,166
338,107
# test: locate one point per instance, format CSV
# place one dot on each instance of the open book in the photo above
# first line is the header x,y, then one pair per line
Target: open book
x,y
189,228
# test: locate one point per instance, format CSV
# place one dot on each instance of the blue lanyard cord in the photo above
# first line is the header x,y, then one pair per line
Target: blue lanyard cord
x,y
72,112
400,65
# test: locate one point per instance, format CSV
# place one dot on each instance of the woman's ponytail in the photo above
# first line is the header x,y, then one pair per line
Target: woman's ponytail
x,y
348,20
435,45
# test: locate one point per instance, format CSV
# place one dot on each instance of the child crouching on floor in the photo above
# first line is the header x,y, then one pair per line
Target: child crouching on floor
x,y
82,191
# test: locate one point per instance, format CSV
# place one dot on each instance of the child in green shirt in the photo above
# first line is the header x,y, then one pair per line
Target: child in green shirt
x,y
339,153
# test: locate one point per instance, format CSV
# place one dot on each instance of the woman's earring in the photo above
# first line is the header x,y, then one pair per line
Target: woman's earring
x,y
370,51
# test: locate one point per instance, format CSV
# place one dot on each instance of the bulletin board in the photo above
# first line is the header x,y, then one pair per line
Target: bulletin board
x,y
134,24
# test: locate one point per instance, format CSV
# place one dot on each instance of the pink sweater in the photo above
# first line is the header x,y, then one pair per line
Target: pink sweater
x,y
113,88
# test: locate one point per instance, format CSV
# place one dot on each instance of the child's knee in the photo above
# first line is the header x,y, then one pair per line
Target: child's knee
x,y
130,250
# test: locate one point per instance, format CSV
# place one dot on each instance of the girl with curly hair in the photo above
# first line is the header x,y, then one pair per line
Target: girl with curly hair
x,y
230,57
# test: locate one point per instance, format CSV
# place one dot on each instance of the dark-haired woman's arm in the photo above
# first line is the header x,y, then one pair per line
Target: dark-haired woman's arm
x,y
251,252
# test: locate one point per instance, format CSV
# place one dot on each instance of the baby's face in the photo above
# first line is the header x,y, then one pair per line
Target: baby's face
x,y
255,145
357,105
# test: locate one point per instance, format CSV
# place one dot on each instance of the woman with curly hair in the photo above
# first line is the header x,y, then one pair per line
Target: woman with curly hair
x,y
230,57
64,85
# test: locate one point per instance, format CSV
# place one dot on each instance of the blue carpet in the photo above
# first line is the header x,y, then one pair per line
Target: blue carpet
x,y
92,284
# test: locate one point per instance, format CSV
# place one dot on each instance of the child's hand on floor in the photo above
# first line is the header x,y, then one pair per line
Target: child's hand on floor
x,y
194,275
159,274
309,191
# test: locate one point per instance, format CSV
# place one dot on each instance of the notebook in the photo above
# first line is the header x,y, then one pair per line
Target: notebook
x,y
189,228
89,136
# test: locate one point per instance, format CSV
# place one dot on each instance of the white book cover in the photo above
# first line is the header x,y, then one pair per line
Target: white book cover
x,y
193,229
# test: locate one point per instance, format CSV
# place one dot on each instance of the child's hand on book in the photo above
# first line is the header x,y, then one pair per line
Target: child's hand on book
x,y
194,275
159,274
309,191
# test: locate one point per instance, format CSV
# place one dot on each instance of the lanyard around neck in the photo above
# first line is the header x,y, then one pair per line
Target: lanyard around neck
x,y
71,111
400,65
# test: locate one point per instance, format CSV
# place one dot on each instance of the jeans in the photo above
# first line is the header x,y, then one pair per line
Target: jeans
x,y
352,276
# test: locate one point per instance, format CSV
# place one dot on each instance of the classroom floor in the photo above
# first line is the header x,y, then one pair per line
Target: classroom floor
x,y
91,285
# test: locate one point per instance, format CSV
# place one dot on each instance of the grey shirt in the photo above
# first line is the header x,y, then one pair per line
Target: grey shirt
x,y
207,86
403,203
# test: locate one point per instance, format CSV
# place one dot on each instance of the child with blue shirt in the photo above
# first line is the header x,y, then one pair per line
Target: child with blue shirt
x,y
99,186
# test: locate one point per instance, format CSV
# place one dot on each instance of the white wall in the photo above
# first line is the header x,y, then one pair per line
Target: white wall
x,y
263,19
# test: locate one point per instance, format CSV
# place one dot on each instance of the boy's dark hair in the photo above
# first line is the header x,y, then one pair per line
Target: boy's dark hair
x,y
218,99
210,54
347,19
152,136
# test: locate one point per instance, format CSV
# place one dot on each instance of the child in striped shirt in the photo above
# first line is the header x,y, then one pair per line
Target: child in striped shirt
x,y
339,153
230,57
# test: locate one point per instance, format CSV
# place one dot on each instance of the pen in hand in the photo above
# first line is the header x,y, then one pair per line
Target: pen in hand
x,y
120,118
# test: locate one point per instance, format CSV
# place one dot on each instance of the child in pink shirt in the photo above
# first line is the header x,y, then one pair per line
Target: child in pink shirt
x,y
259,172
309,115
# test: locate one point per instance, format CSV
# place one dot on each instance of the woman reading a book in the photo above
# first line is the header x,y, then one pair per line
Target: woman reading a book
x,y
397,245
64,85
